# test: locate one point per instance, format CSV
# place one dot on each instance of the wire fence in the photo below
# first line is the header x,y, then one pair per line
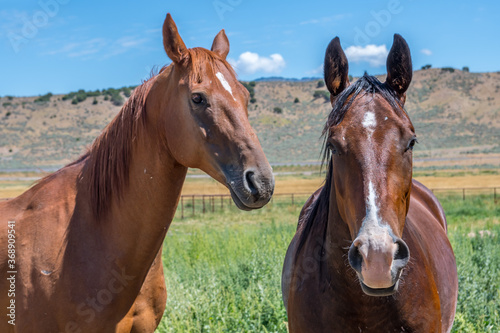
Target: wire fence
x,y
193,205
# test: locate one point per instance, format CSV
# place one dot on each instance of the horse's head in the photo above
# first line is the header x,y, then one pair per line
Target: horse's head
x,y
209,127
371,139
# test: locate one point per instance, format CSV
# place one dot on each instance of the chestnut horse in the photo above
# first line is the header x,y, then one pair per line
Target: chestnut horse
x,y
371,252
84,238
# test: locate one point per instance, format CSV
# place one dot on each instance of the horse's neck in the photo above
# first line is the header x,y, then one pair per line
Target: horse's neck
x,y
141,216
337,236
129,234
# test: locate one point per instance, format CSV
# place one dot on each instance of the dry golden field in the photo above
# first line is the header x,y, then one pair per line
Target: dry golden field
x,y
12,185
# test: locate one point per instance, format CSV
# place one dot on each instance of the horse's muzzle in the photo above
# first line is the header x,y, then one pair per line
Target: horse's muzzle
x,y
252,190
378,260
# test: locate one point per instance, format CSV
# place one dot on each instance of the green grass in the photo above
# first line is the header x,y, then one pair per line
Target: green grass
x,y
223,271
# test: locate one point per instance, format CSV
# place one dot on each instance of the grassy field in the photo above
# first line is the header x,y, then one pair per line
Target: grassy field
x,y
223,271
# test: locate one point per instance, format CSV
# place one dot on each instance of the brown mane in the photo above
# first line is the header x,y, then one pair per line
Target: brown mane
x,y
109,156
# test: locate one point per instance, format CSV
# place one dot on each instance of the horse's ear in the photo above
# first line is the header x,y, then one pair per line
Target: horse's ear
x,y
221,44
172,41
399,67
336,68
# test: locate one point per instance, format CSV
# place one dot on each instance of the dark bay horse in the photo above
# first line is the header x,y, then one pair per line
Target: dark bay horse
x,y
371,252
77,247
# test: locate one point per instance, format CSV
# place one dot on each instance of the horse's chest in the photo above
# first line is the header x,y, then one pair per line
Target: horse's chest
x,y
361,320
344,312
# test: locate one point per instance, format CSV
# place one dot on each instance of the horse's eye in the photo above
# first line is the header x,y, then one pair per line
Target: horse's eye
x,y
411,144
330,146
197,98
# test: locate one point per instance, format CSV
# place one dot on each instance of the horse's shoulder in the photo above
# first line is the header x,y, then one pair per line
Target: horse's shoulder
x,y
421,196
288,264
51,198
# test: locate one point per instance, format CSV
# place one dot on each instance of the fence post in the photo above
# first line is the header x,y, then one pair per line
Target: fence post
x,y
182,207
495,195
203,203
463,191
213,203
221,202
293,204
193,204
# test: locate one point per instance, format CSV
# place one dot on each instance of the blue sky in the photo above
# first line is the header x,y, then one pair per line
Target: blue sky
x,y
64,45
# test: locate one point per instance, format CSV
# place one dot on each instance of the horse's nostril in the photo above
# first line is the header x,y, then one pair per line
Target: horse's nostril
x,y
251,183
355,258
402,253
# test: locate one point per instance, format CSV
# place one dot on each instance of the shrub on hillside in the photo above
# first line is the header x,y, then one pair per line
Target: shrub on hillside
x,y
296,100
320,84
116,98
322,94
250,87
81,95
448,69
44,98
426,66
127,91
93,93
277,110
68,96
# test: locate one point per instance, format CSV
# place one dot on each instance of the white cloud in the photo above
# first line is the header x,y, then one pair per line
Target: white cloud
x,y
124,44
250,63
427,52
100,48
78,49
375,55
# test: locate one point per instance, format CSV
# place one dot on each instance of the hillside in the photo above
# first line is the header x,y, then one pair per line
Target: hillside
x,y
456,116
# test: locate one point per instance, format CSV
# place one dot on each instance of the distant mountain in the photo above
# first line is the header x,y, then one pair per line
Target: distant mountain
x,y
456,116
284,79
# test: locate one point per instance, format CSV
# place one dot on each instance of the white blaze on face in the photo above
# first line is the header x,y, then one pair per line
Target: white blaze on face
x,y
371,204
369,122
372,208
224,83
375,233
